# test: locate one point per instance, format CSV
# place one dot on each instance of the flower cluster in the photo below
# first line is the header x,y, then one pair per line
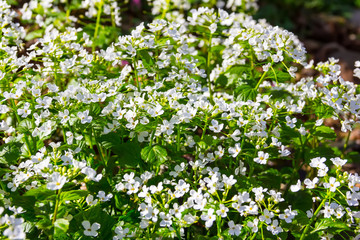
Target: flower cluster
x,y
187,128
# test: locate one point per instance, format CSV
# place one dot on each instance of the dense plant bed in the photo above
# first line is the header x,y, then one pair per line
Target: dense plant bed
x,y
193,128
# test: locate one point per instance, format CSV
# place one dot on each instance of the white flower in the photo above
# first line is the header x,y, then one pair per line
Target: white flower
x,y
69,138
253,225
290,122
120,233
229,181
262,157
90,200
309,213
318,162
177,210
212,28
311,184
90,230
267,215
288,215
166,220
64,116
56,181
91,174
43,103
296,187
132,187
235,135
284,152
208,217
338,162
274,227
24,112
332,184
104,198
234,151
222,211
84,117
234,229
189,219
215,126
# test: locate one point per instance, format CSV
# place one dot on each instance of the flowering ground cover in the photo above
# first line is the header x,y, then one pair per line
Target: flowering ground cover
x,y
195,125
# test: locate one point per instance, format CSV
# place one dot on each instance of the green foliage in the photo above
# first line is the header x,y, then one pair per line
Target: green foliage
x,y
10,153
154,155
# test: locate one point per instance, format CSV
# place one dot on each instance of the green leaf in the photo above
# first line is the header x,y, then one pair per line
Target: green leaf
x,y
40,193
323,111
325,132
10,153
222,80
147,60
61,226
237,74
109,140
321,151
279,76
270,178
208,139
26,126
245,92
288,134
328,223
128,153
95,109
34,34
300,200
94,214
301,217
201,60
279,94
131,216
155,155
27,203
73,195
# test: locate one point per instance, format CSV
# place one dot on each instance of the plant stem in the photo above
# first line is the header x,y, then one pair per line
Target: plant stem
x,y
218,226
303,235
205,127
166,9
98,17
178,138
345,145
208,70
261,80
57,204
136,81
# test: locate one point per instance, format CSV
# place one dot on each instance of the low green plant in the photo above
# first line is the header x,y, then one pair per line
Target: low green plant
x,y
198,130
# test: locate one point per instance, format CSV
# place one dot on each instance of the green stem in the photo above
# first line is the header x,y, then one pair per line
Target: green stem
x,y
166,9
57,204
256,233
345,145
178,138
136,80
98,17
153,133
208,70
68,11
64,134
303,235
261,80
205,127
218,226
